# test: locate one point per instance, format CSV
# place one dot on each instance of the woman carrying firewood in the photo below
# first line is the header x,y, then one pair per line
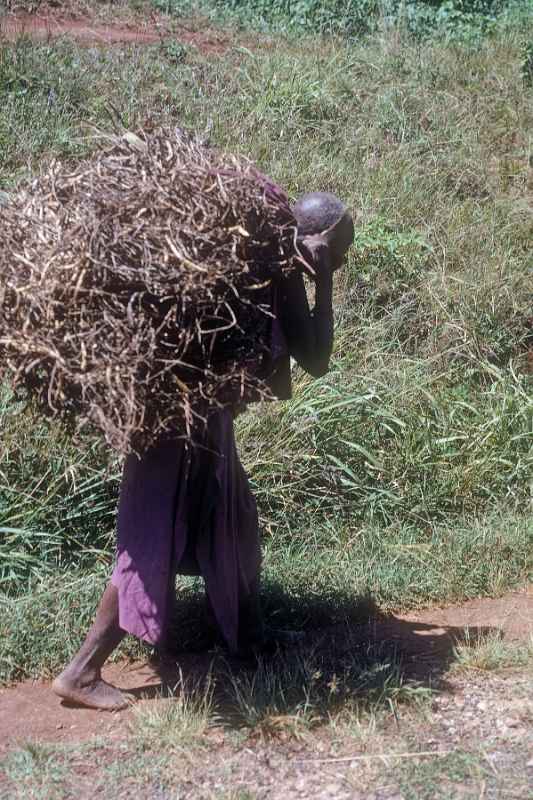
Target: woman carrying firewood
x,y
146,295
189,509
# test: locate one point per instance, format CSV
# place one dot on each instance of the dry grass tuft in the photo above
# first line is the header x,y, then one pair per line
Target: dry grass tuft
x,y
491,652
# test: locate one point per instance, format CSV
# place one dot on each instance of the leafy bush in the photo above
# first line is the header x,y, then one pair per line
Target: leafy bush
x,y
455,19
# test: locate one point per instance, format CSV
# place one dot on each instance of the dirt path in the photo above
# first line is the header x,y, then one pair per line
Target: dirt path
x,y
84,30
512,614
473,738
426,640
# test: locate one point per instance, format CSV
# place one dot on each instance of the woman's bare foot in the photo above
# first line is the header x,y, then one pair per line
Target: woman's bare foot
x,y
81,682
89,690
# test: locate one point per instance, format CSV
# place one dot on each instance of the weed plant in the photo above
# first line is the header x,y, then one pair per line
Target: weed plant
x,y
179,721
299,690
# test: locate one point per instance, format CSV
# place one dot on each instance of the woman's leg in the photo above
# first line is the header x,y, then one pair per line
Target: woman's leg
x,y
81,682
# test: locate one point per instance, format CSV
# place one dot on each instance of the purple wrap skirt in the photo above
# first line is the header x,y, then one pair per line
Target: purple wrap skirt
x,y
186,509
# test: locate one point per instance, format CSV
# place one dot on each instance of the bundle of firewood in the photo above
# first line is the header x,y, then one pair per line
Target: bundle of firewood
x,y
135,287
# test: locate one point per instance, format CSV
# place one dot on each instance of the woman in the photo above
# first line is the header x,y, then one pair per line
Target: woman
x,y
189,509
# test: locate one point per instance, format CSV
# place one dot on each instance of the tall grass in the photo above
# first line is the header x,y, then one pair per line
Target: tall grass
x,y
385,448
407,471
57,499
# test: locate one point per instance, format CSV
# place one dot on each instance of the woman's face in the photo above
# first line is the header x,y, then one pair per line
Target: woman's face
x,y
340,239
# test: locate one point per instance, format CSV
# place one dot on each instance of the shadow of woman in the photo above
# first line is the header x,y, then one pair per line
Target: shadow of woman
x,y
350,650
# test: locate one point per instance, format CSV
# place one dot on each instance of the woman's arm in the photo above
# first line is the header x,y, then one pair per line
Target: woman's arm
x,y
309,333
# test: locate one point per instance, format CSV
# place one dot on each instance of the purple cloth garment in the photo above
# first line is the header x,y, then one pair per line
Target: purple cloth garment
x,y
186,509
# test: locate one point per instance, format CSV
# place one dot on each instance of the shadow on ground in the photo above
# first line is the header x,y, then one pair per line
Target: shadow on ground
x,y
352,655
351,652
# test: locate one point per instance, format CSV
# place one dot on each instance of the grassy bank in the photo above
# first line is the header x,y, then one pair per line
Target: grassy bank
x,y
407,471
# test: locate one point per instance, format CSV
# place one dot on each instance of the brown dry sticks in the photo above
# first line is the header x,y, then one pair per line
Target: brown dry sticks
x,y
135,287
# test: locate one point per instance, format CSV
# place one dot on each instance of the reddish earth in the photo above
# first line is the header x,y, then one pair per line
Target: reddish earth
x,y
29,710
90,32
512,614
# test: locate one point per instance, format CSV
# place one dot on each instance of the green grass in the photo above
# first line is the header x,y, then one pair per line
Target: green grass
x,y
36,772
45,623
287,695
407,471
299,690
311,580
62,772
57,500
180,721
443,777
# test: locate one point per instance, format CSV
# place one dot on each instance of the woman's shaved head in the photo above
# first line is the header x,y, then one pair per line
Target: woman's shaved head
x,y
317,212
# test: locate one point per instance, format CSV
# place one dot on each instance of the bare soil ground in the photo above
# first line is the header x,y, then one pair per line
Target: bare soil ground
x,y
89,31
512,614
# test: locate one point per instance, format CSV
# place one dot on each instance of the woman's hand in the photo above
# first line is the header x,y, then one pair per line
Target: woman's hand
x,y
309,333
317,263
